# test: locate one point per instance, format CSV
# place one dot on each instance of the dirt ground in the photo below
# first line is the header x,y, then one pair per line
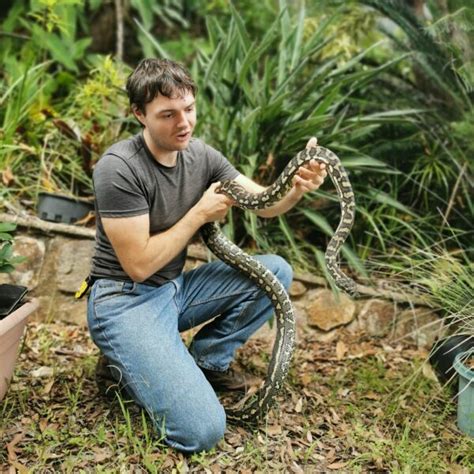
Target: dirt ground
x,y
356,404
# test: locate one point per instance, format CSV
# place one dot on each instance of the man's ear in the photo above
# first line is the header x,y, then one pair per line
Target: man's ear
x,y
139,115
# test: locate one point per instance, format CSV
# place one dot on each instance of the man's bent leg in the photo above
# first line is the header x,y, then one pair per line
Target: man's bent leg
x,y
135,326
217,289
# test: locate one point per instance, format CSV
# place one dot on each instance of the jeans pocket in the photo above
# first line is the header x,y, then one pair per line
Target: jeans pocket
x,y
108,289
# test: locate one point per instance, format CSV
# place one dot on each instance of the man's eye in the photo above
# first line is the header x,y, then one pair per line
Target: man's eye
x,y
167,115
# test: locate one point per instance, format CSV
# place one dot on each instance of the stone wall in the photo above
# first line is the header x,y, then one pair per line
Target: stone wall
x,y
56,264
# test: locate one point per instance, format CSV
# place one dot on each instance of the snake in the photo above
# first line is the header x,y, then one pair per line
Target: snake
x,y
256,408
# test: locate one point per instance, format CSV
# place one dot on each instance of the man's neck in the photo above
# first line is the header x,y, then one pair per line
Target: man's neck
x,y
164,157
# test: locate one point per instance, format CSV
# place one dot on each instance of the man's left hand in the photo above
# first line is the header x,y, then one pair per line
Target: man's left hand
x,y
310,176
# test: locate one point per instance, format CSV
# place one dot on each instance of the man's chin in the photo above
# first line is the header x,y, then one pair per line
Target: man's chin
x,y
182,144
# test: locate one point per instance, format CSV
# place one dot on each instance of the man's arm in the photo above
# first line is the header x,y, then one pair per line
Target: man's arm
x,y
308,178
142,255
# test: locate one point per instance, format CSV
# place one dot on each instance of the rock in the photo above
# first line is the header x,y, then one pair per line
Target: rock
x,y
324,336
73,263
66,263
377,317
61,307
268,331
419,325
328,311
26,273
297,288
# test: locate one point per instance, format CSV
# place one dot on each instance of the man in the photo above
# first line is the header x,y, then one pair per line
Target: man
x,y
153,193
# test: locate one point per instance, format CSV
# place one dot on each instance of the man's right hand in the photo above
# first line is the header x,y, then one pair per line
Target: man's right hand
x,y
213,206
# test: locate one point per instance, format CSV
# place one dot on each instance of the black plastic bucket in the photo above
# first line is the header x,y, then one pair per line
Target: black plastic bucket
x,y
60,208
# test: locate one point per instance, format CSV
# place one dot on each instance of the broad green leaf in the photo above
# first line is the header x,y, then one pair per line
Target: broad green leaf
x,y
354,260
362,161
59,50
384,198
317,219
151,40
299,37
7,227
288,233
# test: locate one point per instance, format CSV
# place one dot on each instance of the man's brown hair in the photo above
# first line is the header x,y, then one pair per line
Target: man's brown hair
x,y
155,76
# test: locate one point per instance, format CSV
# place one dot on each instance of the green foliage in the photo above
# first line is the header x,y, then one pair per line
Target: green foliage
x,y
276,93
51,144
401,121
443,277
434,166
49,29
7,259
434,59
52,125
169,12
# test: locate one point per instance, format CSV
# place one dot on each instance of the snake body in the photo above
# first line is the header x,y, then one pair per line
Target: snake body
x,y
228,252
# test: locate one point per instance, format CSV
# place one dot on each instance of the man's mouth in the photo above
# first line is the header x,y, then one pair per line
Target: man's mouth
x,y
183,136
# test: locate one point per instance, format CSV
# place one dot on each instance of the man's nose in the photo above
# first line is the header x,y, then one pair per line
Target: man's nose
x,y
182,119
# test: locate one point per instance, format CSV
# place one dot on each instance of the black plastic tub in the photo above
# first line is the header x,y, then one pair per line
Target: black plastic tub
x,y
60,208
445,351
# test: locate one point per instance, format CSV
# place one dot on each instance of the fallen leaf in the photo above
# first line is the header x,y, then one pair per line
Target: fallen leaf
x,y
18,468
42,372
371,396
101,454
290,450
306,378
48,387
235,439
341,350
43,424
297,469
337,465
299,405
11,446
7,176
428,372
274,430
335,416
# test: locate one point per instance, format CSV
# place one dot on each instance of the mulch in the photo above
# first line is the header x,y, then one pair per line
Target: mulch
x,y
355,404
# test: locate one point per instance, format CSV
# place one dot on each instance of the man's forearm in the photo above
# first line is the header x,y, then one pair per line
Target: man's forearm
x,y
282,206
141,255
161,248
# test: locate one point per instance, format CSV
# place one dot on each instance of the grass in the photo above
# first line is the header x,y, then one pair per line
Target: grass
x,y
375,410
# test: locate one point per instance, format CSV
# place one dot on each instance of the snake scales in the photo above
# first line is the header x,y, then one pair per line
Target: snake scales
x,y
228,252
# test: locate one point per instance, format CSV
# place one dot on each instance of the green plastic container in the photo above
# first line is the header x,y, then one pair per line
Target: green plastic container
x,y
466,393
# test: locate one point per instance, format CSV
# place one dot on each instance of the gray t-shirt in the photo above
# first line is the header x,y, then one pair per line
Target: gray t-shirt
x,y
128,182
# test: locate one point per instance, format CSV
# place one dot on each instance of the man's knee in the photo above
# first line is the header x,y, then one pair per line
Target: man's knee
x,y
211,433
280,267
202,433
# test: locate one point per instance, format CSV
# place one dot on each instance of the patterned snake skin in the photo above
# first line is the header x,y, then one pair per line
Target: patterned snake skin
x,y
229,253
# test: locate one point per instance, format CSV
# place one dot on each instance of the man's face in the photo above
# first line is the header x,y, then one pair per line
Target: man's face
x,y
169,123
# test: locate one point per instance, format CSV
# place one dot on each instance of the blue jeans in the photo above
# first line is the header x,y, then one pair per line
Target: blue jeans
x,y
137,328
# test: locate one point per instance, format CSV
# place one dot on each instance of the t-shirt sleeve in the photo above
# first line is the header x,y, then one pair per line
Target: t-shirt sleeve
x,y
219,166
118,192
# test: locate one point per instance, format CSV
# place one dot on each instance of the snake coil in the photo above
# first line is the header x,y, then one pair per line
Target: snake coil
x,y
229,253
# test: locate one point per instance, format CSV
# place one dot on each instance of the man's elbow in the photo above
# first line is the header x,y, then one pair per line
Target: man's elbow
x,y
136,273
